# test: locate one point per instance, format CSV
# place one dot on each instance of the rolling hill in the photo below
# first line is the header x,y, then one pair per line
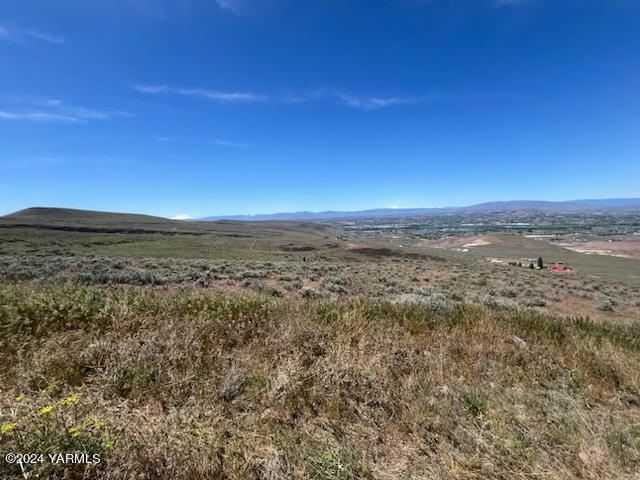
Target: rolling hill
x,y
76,216
67,219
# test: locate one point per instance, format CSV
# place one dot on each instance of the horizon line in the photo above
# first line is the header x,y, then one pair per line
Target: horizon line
x,y
187,217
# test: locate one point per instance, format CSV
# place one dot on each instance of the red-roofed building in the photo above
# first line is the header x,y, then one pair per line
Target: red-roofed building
x,y
560,267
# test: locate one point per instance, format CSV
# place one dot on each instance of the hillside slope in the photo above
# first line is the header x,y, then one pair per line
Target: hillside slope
x,y
90,220
68,232
193,384
71,216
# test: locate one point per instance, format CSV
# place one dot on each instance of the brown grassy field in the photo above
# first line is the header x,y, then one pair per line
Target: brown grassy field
x,y
190,383
285,350
376,272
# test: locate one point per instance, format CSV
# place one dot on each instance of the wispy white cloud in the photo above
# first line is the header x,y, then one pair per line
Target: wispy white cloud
x,y
231,5
224,143
374,103
214,95
364,102
19,35
151,88
56,111
360,101
82,113
378,102
241,7
37,117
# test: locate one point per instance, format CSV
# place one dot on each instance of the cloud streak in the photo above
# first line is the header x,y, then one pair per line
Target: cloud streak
x,y
234,6
82,113
374,103
19,35
350,100
242,7
37,117
214,95
224,143
56,111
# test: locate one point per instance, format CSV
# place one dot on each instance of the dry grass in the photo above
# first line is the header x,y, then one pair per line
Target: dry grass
x,y
192,384
452,281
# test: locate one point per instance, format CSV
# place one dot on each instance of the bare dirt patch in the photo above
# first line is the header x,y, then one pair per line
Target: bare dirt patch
x,y
614,248
460,242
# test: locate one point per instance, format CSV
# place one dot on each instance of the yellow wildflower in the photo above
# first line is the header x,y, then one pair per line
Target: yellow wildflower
x,y
99,423
74,432
19,398
70,400
87,421
110,445
8,427
46,410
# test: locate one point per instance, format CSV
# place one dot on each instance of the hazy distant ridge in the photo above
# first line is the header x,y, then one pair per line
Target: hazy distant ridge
x,y
332,214
587,205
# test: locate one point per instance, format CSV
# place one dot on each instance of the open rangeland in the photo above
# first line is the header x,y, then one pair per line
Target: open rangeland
x,y
291,350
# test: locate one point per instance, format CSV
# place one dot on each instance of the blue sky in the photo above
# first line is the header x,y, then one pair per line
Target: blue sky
x,y
204,107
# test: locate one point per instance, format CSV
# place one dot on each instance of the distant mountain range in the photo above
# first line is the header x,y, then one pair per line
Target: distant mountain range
x,y
335,214
589,205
